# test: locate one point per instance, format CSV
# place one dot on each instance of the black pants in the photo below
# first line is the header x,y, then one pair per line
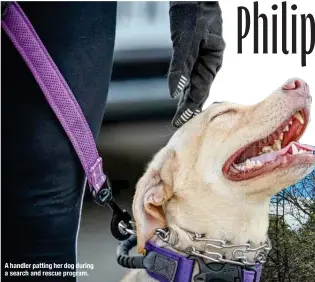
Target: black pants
x,y
42,179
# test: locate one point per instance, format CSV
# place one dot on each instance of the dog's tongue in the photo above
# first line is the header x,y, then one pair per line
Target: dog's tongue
x,y
292,148
267,157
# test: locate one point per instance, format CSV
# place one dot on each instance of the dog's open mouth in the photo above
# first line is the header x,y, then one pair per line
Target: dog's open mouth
x,y
277,149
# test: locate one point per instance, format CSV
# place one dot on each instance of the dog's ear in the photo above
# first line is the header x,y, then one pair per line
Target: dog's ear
x,y
153,190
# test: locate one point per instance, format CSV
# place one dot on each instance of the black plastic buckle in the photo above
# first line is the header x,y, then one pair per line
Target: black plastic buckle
x,y
105,196
217,272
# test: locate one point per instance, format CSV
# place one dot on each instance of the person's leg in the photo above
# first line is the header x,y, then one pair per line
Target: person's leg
x,y
42,179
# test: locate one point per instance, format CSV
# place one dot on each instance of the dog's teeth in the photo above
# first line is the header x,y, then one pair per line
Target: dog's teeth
x,y
249,164
286,128
241,167
267,149
281,136
302,151
234,169
294,150
238,167
290,122
299,117
277,145
258,164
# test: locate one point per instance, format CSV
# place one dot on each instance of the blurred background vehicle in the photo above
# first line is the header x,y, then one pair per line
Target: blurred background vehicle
x,y
139,108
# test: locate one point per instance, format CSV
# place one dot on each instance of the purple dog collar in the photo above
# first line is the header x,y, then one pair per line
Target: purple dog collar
x,y
249,275
183,266
56,90
167,266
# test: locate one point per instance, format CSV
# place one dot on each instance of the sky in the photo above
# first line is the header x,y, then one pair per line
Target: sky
x,y
249,78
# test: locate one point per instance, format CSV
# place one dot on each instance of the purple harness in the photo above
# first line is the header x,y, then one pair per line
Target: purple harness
x,y
161,264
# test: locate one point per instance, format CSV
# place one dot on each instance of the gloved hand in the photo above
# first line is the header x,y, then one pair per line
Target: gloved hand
x,y
198,45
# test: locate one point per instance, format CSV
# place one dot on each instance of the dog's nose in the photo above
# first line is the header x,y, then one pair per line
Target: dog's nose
x,y
298,87
295,84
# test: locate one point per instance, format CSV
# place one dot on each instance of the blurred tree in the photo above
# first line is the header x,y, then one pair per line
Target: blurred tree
x,y
292,257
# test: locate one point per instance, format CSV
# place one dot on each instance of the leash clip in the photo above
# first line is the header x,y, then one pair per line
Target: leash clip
x,y
120,217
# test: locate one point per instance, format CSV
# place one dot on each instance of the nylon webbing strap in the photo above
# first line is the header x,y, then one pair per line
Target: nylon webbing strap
x,y
56,90
252,276
167,266
162,266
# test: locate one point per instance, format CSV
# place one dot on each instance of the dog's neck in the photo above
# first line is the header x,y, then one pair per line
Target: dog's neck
x,y
237,225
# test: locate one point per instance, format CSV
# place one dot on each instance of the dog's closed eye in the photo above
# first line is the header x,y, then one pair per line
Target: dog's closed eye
x,y
223,113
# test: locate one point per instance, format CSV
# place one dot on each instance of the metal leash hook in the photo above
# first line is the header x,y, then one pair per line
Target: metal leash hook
x,y
119,217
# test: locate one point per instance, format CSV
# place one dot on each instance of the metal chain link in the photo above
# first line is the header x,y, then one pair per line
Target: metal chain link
x,y
260,256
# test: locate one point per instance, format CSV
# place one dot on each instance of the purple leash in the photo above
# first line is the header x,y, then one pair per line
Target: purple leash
x,y
62,101
57,92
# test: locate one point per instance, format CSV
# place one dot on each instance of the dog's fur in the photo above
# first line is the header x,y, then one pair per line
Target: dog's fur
x,y
184,187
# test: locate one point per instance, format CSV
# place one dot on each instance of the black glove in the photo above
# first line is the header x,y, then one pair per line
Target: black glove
x,y
198,45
